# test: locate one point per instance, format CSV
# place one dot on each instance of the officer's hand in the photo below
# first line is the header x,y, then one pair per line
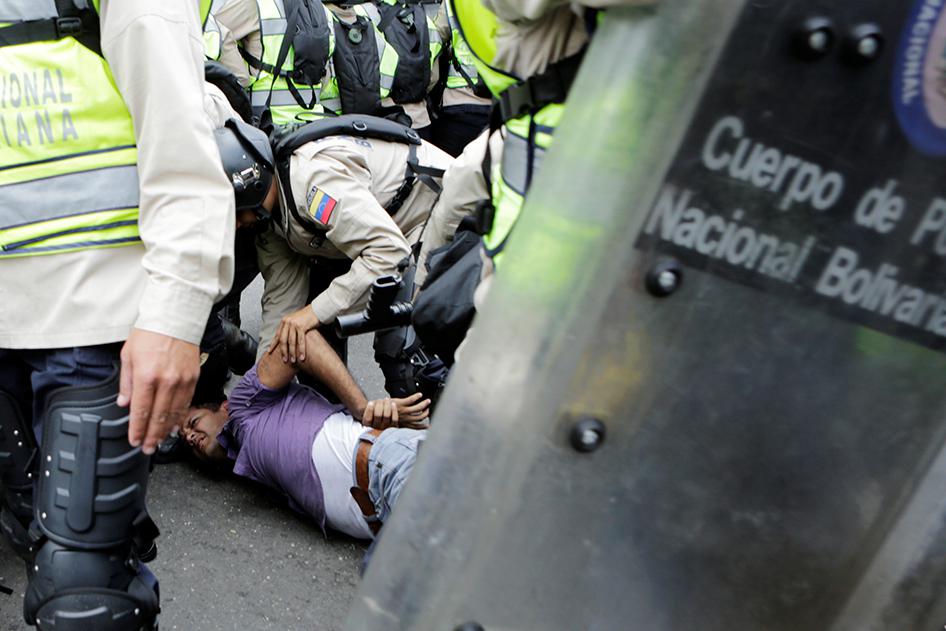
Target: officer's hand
x,y
157,378
290,338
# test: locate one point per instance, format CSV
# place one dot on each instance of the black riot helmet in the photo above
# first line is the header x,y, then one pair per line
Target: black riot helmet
x,y
247,159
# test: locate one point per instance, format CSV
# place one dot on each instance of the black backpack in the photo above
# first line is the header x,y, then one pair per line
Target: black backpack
x,y
287,139
308,34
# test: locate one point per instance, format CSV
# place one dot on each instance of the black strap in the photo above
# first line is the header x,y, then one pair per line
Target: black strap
x,y
71,21
414,172
292,19
474,85
546,88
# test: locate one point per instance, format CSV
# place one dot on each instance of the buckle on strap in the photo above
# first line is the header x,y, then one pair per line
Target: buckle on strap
x,y
546,88
68,27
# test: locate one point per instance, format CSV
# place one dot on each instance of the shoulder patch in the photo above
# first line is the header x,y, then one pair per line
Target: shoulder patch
x,y
321,205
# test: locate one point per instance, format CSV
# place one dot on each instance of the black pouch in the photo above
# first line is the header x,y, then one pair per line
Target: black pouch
x,y
405,27
357,67
310,42
444,308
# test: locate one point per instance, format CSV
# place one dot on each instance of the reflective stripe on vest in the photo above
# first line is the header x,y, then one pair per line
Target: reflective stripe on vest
x,y
478,26
462,55
283,105
511,177
68,174
213,44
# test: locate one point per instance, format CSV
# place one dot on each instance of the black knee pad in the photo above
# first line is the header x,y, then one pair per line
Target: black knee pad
x,y
90,508
17,463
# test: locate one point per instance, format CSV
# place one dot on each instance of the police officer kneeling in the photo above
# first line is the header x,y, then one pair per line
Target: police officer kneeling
x,y
349,199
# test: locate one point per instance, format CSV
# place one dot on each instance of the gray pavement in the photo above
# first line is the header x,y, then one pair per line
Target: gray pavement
x,y
231,555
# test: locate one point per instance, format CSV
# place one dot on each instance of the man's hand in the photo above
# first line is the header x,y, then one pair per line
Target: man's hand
x,y
290,338
407,412
158,378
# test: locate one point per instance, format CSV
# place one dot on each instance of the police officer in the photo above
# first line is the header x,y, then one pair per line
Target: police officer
x,y
116,227
528,53
465,99
386,59
346,209
290,87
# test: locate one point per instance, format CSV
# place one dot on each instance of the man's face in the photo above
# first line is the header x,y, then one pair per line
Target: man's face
x,y
201,429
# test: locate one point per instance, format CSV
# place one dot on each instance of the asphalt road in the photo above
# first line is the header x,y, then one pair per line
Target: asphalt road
x,y
231,555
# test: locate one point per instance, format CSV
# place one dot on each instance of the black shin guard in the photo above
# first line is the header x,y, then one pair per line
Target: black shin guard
x,y
17,452
90,508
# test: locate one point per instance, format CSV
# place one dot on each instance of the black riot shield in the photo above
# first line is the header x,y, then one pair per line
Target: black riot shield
x,y
707,389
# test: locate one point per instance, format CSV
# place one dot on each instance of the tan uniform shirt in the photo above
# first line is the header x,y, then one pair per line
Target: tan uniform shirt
x,y
241,19
360,177
167,283
534,33
464,186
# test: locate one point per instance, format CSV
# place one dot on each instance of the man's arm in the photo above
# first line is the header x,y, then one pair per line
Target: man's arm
x,y
323,363
155,52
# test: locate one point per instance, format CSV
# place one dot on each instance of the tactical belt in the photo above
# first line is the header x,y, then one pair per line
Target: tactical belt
x,y
360,492
545,88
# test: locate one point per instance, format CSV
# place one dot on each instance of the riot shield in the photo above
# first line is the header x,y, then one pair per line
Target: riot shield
x,y
706,391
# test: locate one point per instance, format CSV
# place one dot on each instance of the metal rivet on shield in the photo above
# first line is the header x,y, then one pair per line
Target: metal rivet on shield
x,y
814,39
863,44
470,626
664,278
587,434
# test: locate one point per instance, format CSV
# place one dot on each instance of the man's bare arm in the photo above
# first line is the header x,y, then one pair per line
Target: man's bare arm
x,y
323,363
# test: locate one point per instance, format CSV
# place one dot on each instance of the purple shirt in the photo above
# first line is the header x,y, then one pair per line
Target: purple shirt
x,y
269,437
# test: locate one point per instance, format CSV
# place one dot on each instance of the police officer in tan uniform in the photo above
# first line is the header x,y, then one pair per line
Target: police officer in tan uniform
x,y
355,211
531,38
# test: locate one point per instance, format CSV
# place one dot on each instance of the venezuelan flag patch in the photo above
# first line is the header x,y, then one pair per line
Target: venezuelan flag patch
x,y
321,206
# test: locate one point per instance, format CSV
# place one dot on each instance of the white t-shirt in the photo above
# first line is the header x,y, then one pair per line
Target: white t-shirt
x,y
332,454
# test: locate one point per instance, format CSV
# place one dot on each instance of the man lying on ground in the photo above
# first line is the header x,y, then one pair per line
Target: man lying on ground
x,y
290,438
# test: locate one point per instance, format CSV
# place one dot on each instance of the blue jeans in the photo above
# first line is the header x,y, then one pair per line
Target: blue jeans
x,y
390,463
30,375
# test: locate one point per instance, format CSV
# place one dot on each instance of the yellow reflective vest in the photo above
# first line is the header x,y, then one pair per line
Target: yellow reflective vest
x,y
348,92
527,137
68,161
277,91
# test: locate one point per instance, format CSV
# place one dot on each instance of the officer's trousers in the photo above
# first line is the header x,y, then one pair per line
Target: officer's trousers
x,y
31,375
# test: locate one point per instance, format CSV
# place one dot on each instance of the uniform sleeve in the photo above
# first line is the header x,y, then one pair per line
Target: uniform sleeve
x,y
186,205
335,191
230,56
241,17
463,188
217,107
531,10
285,283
